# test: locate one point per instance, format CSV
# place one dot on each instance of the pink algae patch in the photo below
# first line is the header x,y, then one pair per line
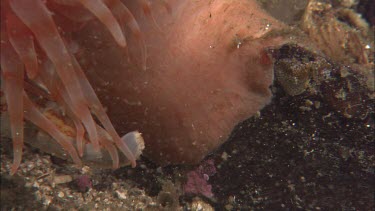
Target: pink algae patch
x,y
197,180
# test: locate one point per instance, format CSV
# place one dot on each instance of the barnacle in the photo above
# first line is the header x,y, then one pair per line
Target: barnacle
x,y
35,53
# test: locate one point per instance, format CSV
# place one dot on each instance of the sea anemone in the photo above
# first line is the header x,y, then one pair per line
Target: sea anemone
x,y
184,75
36,55
208,68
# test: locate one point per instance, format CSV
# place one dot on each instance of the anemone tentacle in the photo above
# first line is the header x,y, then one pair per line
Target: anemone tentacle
x,y
32,42
13,76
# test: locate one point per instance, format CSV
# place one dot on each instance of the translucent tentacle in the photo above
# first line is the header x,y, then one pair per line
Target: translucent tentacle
x,y
146,7
109,147
13,76
36,117
22,40
73,10
101,11
67,2
59,94
127,18
99,111
80,132
37,17
166,5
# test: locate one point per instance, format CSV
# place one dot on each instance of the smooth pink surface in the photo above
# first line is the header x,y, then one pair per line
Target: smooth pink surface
x,y
207,70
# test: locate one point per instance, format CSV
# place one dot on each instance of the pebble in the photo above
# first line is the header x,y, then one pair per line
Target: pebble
x,y
199,205
120,195
61,179
61,194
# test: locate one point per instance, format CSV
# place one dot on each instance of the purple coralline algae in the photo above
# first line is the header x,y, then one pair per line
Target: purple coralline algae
x,y
197,180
